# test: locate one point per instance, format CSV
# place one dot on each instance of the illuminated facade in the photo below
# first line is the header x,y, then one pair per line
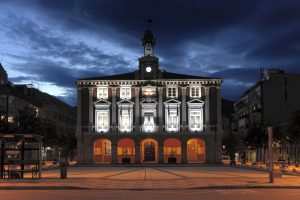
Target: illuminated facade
x,y
149,116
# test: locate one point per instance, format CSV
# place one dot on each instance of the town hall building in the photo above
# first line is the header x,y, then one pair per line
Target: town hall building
x,y
149,116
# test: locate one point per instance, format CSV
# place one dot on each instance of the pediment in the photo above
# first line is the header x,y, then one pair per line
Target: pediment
x,y
102,104
125,103
195,103
148,101
172,101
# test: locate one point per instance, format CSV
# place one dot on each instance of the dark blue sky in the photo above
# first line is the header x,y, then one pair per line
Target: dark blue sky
x,y
51,43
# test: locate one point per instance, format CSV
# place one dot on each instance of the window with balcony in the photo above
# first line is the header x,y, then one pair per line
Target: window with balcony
x,y
173,124
172,92
102,121
196,120
125,92
195,92
102,92
125,120
172,115
149,124
195,115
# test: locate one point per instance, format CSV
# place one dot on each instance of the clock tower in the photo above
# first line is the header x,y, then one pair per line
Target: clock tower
x,y
148,64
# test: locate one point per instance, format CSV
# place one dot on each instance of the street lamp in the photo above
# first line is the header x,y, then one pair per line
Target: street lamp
x,y
270,142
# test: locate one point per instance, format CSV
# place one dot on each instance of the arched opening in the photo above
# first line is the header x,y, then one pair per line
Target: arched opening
x,y
195,151
172,150
102,151
149,151
126,151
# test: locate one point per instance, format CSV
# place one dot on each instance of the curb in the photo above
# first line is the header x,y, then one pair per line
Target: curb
x,y
264,170
224,187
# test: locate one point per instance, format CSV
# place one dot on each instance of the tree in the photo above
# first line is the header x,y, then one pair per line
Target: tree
x,y
256,137
294,128
29,122
293,132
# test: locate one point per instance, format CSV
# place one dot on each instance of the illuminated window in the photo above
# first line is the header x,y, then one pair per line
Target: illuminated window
x,y
10,119
102,121
102,92
125,120
196,120
171,91
149,124
125,92
195,92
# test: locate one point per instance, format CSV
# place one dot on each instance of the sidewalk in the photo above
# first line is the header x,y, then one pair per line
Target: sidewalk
x,y
284,169
156,179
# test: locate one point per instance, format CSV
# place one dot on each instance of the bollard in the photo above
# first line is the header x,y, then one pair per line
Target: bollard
x,y
64,169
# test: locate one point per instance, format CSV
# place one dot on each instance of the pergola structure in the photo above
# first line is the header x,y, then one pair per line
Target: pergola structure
x,y
20,154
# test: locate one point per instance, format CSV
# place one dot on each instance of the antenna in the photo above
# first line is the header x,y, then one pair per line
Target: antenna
x,y
148,23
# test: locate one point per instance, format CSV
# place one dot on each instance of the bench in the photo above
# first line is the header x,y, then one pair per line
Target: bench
x,y
16,173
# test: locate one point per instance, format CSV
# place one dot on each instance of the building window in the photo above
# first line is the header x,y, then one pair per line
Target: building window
x,y
102,121
195,92
102,92
149,124
125,120
171,91
196,120
125,93
172,116
173,120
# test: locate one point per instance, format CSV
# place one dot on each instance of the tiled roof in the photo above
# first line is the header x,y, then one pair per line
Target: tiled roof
x,y
131,76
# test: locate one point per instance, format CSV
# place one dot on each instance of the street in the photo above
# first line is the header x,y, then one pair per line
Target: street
x,y
258,194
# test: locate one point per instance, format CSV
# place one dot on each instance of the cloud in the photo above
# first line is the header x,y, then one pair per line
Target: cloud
x,y
60,41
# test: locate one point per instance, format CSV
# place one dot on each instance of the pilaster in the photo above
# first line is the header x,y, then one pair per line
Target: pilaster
x,y
91,109
206,107
137,107
160,108
114,109
183,108
79,133
137,153
184,152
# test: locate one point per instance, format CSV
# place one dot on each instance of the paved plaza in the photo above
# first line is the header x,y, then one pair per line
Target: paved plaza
x,y
153,178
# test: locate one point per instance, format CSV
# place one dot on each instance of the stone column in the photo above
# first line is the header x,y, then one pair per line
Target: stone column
x,y
207,110
114,109
183,108
160,108
160,151
184,151
114,155
219,126
91,109
79,133
137,108
137,152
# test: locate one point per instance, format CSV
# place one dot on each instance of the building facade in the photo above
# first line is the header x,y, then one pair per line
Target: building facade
x,y
270,102
149,116
15,97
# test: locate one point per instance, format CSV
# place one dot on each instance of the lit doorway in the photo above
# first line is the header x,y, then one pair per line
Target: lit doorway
x,y
102,151
195,151
126,151
172,150
149,151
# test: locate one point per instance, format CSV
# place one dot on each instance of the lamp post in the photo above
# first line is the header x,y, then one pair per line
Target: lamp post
x,y
270,142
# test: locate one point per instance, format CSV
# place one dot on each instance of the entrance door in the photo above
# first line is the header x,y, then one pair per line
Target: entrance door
x,y
149,151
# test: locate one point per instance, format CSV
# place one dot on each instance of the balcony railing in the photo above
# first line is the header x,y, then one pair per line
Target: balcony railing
x,y
150,129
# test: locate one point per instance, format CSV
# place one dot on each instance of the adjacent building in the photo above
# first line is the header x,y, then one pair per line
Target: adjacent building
x,y
149,116
14,97
270,102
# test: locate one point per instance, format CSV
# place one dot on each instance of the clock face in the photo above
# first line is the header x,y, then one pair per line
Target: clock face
x,y
148,69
